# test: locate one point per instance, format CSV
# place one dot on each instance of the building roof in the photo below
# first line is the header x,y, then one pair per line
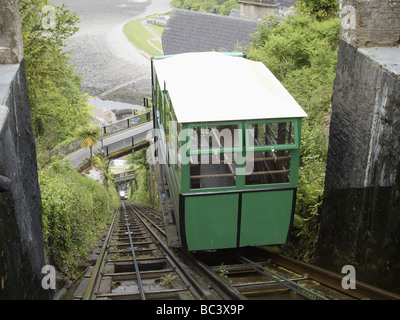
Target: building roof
x,y
192,31
214,86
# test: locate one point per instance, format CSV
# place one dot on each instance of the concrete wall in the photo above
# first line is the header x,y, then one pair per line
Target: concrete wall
x,y
360,217
257,10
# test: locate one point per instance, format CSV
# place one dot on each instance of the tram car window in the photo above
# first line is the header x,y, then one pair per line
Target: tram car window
x,y
228,145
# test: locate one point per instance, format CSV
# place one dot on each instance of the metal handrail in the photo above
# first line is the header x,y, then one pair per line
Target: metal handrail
x,y
147,115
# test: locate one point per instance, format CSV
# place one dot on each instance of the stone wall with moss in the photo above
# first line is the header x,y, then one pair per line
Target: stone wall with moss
x,y
21,239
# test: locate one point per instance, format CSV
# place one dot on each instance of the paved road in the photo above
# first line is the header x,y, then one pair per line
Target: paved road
x,y
78,156
111,67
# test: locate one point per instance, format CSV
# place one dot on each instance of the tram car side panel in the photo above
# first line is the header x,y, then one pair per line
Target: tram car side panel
x,y
266,217
239,188
209,221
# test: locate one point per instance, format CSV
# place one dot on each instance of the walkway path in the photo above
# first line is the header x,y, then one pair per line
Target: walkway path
x,y
155,35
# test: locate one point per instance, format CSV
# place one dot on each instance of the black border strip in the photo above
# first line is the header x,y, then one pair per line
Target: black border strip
x,y
292,216
239,221
182,229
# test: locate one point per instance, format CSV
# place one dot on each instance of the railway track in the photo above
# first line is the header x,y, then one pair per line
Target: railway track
x,y
135,263
261,275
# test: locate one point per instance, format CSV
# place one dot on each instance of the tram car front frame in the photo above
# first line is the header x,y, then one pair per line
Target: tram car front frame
x,y
228,141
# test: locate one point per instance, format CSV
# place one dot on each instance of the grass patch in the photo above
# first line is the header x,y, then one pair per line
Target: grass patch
x,y
157,44
141,38
157,29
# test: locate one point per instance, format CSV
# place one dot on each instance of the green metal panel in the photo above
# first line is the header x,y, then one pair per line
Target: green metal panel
x,y
185,172
211,221
265,217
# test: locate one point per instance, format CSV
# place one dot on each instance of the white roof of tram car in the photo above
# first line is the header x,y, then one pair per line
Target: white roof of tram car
x,y
213,86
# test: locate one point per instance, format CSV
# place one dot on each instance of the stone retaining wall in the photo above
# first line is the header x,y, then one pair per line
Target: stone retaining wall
x,y
360,217
21,241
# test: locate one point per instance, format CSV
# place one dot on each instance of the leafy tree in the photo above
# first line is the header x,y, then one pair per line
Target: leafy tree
x,y
58,106
89,136
302,53
320,9
210,6
74,207
227,7
141,189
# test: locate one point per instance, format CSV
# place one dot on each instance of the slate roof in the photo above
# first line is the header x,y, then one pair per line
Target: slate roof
x,y
192,31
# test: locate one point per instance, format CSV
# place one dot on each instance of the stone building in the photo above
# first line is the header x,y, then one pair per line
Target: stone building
x,y
257,10
260,9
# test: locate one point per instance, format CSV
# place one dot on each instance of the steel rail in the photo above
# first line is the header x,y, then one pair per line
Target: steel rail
x,y
281,280
194,285
135,263
331,279
96,271
150,211
225,290
152,222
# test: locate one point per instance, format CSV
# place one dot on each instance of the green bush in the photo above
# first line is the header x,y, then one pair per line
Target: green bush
x,y
211,6
296,42
320,9
74,209
140,190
